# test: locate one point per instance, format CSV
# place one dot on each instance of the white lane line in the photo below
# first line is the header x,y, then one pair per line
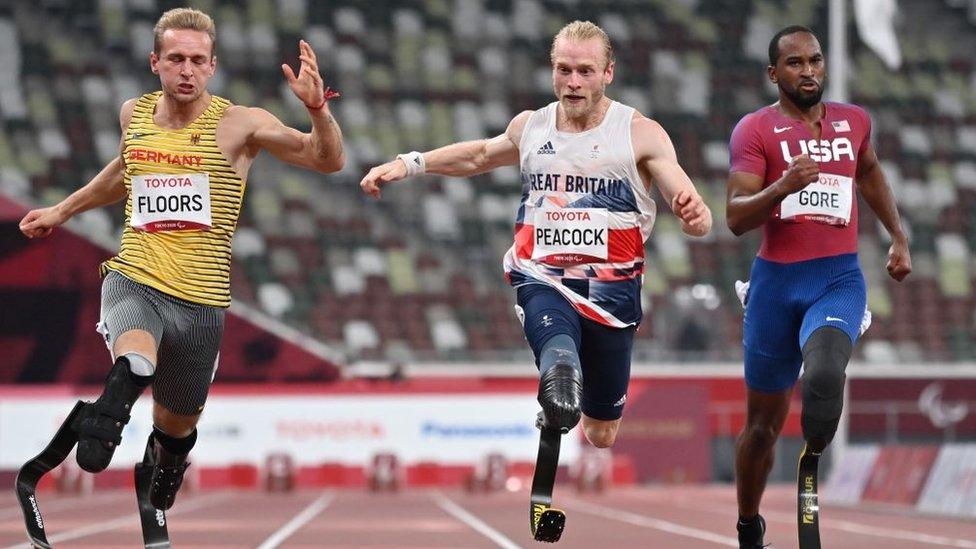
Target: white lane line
x,y
301,519
877,531
474,522
70,502
127,520
900,534
649,522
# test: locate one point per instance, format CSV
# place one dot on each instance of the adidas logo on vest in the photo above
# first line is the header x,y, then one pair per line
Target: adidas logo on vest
x,y
546,149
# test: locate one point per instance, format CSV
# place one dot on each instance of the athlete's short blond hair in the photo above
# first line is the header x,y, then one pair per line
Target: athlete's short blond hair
x,y
580,31
187,19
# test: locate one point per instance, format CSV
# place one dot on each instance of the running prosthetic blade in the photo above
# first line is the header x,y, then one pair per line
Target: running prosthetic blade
x,y
546,523
808,506
32,471
154,532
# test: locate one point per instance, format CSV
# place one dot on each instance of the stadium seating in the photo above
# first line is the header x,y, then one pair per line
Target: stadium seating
x,y
418,274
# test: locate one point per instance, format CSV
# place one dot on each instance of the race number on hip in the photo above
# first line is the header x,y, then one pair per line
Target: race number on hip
x,y
569,236
827,200
171,202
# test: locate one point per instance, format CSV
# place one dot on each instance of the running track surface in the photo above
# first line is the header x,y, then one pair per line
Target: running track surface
x,y
657,517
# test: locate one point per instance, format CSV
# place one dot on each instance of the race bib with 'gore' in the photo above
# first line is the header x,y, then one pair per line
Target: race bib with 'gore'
x,y
171,202
827,201
571,236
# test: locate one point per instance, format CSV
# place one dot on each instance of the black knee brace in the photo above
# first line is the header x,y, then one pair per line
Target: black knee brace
x,y
825,357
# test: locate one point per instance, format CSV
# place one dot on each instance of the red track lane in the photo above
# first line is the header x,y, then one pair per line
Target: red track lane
x,y
658,517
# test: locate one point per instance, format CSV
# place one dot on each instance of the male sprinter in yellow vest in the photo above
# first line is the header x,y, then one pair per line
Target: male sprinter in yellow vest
x,y
185,155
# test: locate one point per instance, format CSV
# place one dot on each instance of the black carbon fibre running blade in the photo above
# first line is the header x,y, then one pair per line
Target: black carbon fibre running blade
x,y
545,523
154,532
808,505
32,471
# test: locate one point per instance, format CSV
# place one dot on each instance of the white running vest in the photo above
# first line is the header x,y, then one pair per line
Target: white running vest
x,y
584,215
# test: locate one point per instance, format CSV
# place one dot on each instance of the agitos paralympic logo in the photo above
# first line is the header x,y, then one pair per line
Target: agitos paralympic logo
x,y
942,414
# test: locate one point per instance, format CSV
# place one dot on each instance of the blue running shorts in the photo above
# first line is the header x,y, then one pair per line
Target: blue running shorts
x,y
604,351
786,303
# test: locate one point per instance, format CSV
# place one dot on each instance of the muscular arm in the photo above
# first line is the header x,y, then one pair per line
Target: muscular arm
x,y
320,150
105,188
656,159
459,159
876,191
749,205
476,157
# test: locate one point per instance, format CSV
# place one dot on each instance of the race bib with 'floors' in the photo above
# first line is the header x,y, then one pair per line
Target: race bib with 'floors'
x,y
571,236
826,201
171,202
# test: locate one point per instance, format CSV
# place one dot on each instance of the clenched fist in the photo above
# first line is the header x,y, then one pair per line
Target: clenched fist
x,y
801,172
696,218
41,222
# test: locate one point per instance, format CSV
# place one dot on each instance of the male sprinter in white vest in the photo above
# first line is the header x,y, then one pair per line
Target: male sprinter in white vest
x,y
185,155
587,165
795,166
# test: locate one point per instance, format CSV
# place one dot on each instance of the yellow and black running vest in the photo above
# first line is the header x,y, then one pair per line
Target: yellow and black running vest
x,y
182,208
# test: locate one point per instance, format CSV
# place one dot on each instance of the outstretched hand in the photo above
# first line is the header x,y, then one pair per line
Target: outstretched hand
x,y
307,85
382,174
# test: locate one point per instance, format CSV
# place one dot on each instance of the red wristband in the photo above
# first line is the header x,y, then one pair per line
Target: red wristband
x,y
329,93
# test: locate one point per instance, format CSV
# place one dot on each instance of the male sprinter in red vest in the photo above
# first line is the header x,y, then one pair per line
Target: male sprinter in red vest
x,y
794,167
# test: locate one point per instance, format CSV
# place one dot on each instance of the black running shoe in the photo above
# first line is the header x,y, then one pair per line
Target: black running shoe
x,y
751,532
100,423
167,476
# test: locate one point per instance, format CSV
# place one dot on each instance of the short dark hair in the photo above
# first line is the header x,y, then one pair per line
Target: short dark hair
x,y
774,43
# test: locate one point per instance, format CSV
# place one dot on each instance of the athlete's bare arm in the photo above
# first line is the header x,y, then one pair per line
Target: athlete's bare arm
x,y
876,191
749,205
246,131
105,188
321,150
459,159
657,163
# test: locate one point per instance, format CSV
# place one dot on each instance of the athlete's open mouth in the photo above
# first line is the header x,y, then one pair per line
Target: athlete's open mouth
x,y
185,88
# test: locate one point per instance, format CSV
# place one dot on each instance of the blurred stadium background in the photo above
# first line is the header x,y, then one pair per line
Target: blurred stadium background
x,y
362,327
